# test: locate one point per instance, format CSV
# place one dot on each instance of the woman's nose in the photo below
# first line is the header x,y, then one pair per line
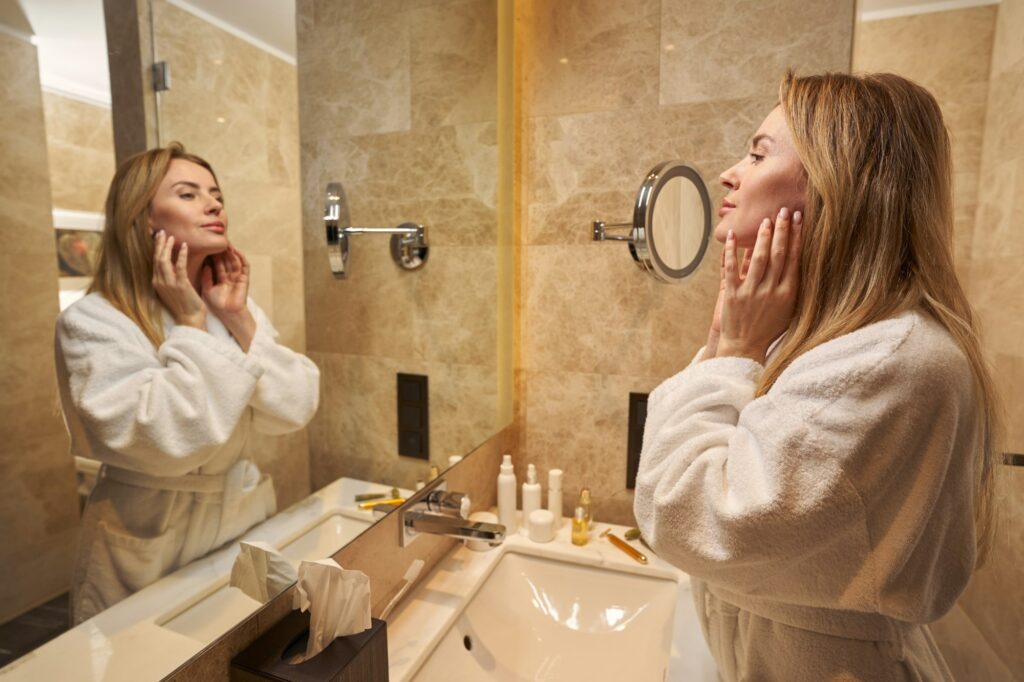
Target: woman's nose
x,y
214,206
730,179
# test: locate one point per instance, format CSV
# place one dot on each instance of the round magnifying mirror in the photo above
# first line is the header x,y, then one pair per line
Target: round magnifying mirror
x,y
671,222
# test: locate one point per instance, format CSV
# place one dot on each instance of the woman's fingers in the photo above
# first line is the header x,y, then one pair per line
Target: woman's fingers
x,y
207,276
732,280
222,270
779,247
759,261
745,268
792,272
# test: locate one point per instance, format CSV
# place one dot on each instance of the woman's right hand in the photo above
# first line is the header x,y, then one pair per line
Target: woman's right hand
x,y
173,288
715,332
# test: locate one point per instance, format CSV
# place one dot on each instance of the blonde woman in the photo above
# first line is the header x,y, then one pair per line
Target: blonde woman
x,y
164,368
823,467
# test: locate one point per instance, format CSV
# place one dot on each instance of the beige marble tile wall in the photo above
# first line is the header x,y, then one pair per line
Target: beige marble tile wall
x,y
610,89
38,502
80,145
948,53
398,103
236,106
995,599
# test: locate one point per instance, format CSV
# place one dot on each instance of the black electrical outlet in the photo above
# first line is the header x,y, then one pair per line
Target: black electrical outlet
x,y
413,416
635,442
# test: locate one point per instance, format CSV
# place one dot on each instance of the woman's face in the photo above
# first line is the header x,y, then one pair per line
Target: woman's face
x,y
769,177
189,207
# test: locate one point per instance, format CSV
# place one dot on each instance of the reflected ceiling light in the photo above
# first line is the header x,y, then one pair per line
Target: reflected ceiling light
x,y
564,60
221,119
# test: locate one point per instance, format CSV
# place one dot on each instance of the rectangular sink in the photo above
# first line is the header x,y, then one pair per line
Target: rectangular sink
x,y
537,618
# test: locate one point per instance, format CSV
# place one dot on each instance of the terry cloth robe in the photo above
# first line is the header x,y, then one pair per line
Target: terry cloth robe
x,y
825,522
169,424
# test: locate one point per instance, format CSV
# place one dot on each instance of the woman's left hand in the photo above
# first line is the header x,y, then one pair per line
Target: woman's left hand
x,y
758,308
227,297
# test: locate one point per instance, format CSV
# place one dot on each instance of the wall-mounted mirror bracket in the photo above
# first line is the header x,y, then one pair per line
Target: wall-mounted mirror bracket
x,y
671,225
408,241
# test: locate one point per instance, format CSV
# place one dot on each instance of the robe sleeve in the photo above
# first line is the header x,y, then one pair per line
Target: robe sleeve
x,y
772,491
162,412
288,391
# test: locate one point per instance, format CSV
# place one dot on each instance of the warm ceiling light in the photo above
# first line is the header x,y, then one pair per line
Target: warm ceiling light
x,y
221,119
564,60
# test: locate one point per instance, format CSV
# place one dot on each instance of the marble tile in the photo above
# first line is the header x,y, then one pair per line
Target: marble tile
x,y
80,146
590,55
1007,48
38,503
966,652
453,62
935,47
603,157
991,599
579,423
711,50
622,322
360,87
455,297
354,433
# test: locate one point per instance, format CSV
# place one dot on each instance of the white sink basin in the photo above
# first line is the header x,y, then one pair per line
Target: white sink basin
x,y
553,611
539,619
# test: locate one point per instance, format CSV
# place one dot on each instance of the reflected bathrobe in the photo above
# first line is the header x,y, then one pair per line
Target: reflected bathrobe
x,y
826,522
169,424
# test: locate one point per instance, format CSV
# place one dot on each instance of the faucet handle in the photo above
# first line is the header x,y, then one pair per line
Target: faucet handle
x,y
449,503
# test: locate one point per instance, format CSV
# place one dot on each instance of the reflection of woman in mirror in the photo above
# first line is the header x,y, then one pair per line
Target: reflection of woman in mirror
x,y
823,467
164,367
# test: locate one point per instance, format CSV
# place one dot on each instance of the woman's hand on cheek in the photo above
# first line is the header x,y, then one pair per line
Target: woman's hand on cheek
x,y
756,309
172,286
227,296
715,331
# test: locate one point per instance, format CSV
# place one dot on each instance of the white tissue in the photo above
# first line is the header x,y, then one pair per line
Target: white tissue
x,y
260,572
338,602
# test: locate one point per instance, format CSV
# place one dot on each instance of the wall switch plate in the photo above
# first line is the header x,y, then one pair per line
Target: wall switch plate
x,y
635,441
413,416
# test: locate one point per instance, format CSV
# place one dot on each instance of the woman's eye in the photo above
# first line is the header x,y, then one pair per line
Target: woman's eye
x,y
756,157
187,195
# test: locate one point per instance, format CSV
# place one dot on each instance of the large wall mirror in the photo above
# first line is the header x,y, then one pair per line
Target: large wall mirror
x,y
396,101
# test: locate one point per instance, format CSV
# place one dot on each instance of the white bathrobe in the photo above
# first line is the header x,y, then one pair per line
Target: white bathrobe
x,y
826,522
169,424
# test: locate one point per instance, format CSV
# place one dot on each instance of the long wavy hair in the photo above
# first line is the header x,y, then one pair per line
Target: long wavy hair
x,y
878,237
124,271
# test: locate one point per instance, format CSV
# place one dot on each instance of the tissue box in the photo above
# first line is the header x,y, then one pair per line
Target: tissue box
x,y
362,657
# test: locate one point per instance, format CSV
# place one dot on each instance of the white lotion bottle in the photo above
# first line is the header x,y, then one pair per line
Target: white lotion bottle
x,y
531,492
555,496
507,495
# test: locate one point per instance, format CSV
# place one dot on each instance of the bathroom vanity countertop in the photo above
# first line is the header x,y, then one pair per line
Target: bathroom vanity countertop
x,y
423,617
136,639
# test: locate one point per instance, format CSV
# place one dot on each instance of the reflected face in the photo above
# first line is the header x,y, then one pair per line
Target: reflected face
x,y
769,177
189,206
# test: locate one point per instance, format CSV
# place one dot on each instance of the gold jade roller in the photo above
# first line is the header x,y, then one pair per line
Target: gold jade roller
x,y
381,503
621,544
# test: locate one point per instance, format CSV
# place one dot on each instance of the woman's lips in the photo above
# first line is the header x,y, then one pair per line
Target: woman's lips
x,y
726,207
214,227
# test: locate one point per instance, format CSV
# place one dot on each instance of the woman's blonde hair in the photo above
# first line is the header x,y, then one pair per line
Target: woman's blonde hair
x,y
878,237
124,271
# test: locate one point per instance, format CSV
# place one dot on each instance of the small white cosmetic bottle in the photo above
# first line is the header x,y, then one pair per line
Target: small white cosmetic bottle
x,y
507,495
555,495
531,492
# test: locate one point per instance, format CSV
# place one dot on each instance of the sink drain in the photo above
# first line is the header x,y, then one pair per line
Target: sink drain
x,y
468,643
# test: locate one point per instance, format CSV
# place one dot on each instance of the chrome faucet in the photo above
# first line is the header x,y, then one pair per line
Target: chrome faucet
x,y
436,511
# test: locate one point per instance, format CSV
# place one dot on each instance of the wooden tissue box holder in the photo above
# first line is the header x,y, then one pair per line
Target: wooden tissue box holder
x,y
355,658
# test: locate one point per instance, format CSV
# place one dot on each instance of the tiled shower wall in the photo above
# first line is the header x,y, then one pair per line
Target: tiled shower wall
x,y
610,89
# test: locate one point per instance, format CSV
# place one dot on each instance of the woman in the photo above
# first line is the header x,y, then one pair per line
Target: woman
x,y
164,367
829,490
